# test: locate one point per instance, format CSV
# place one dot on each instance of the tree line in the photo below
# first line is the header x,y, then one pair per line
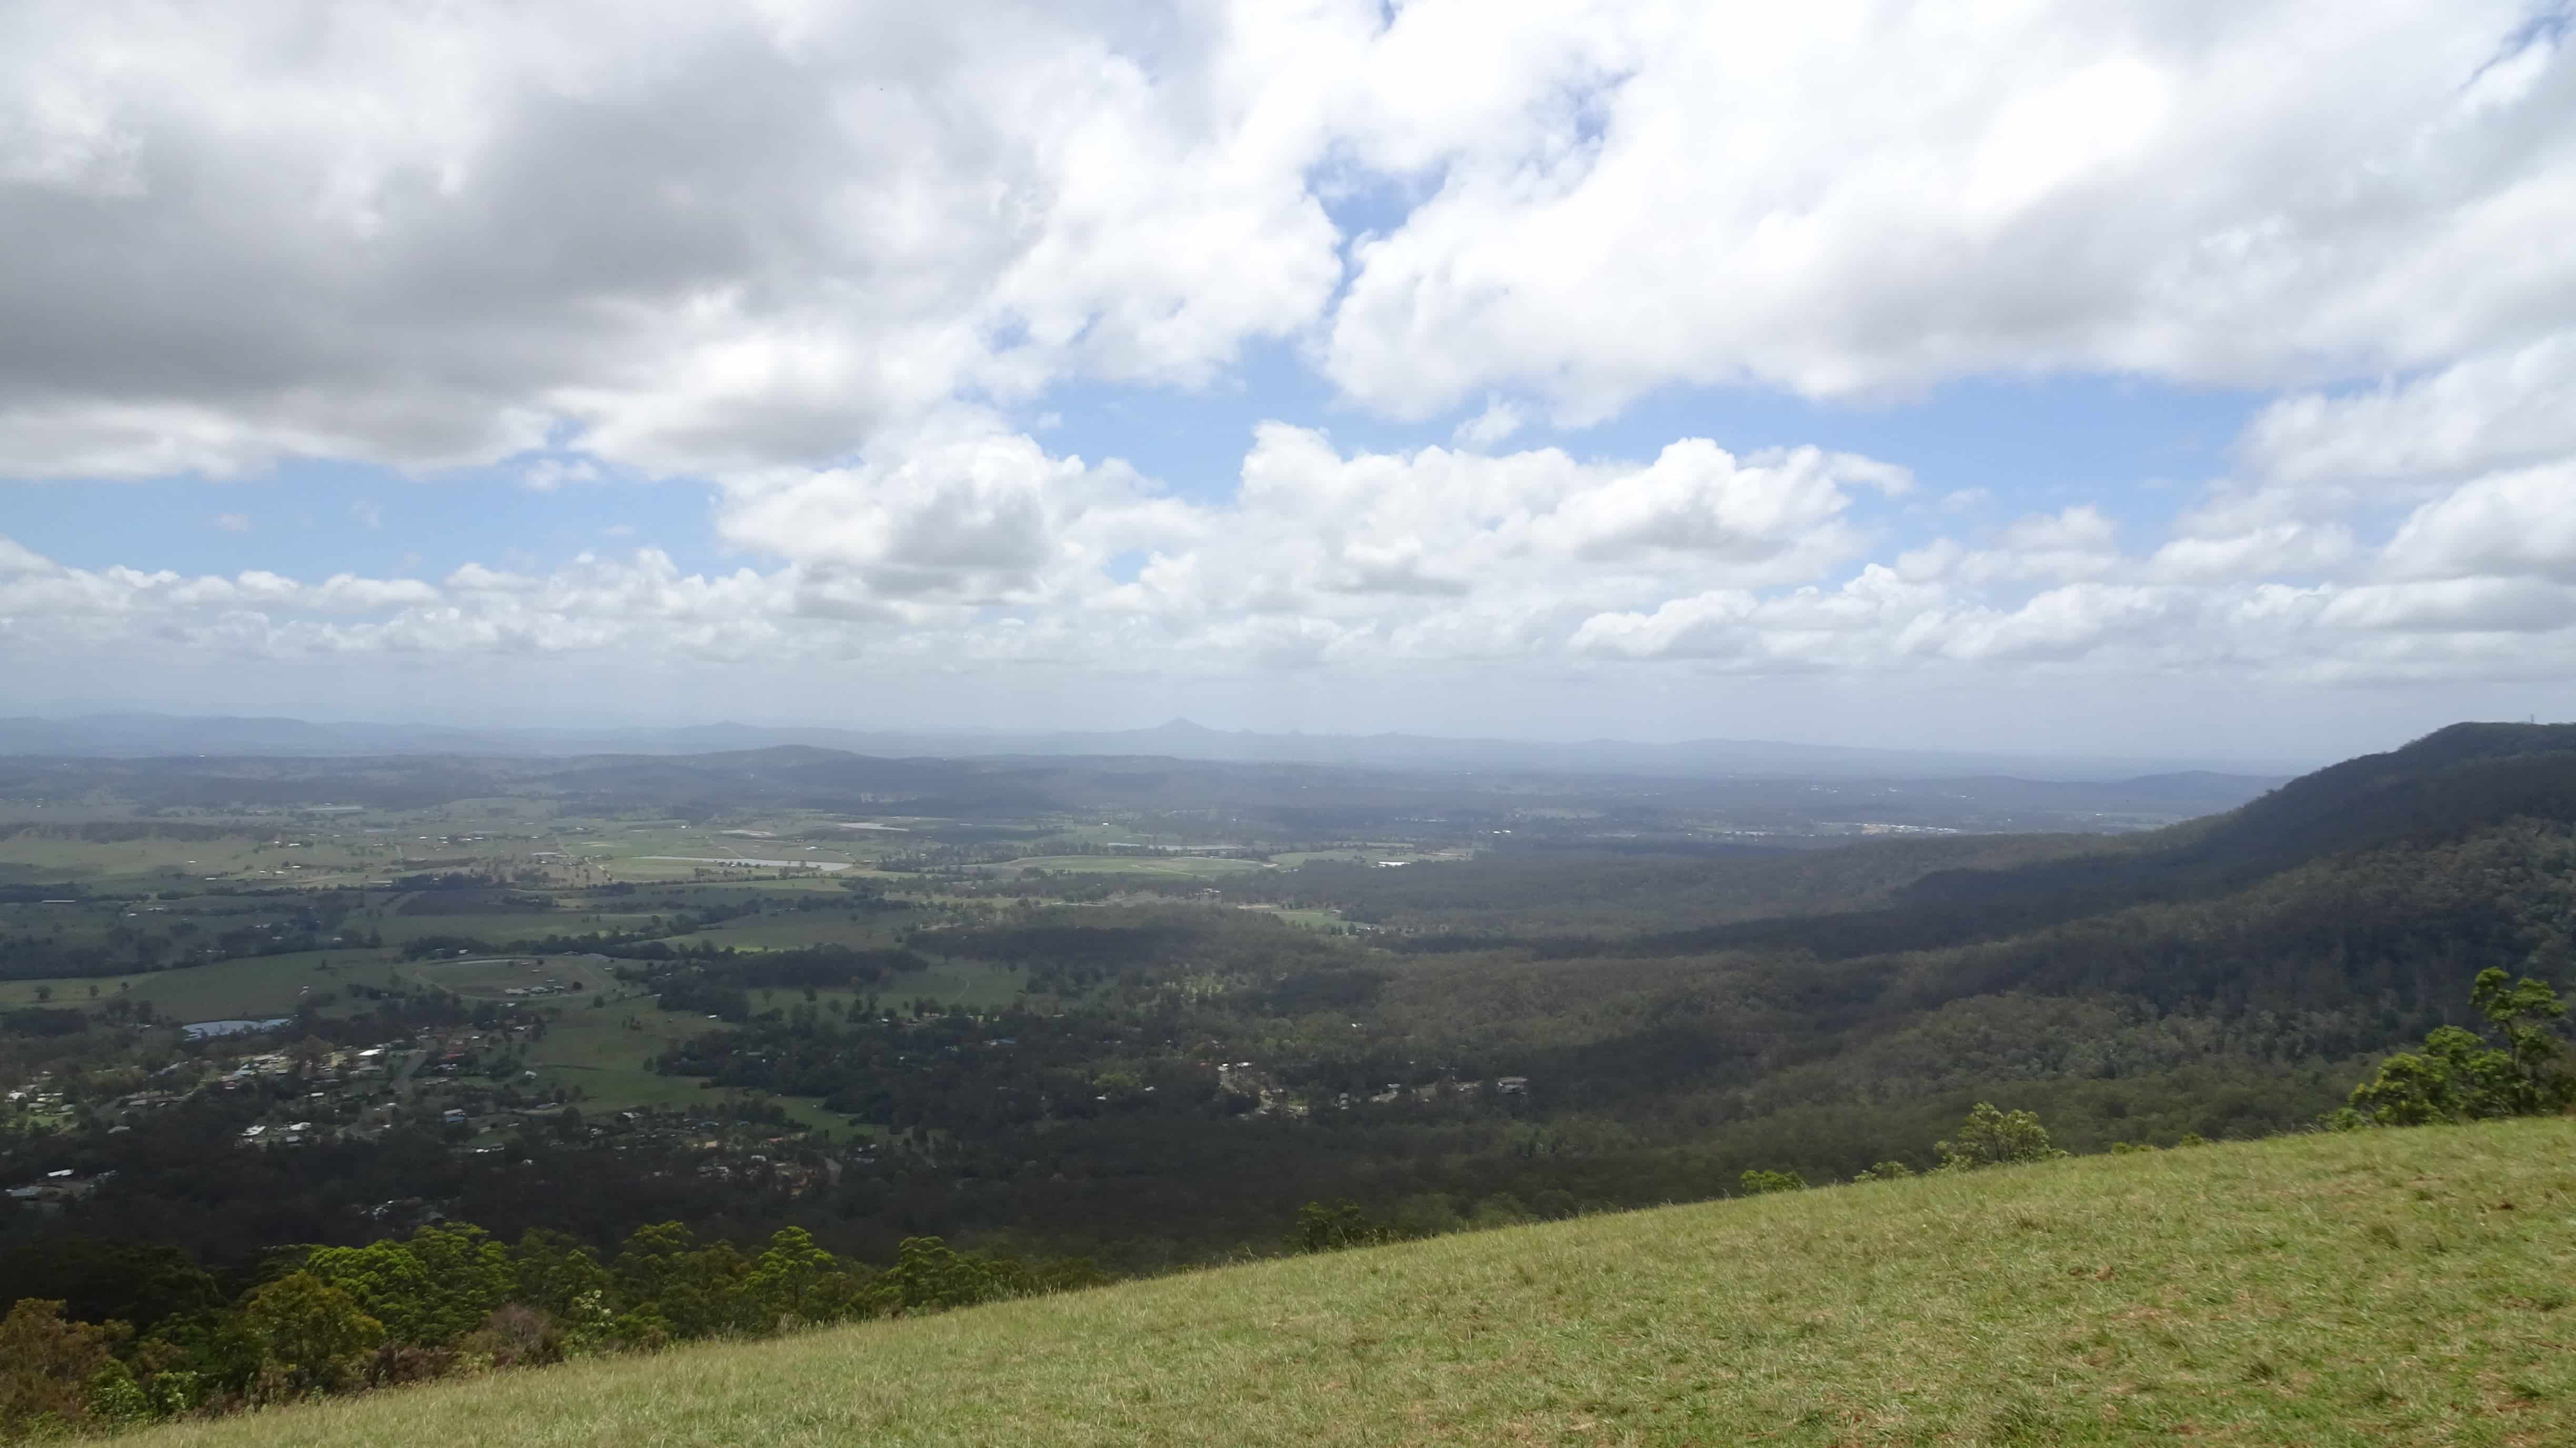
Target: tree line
x,y
107,1334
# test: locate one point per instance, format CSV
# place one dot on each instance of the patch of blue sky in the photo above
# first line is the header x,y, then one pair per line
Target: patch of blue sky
x,y
365,520
1193,440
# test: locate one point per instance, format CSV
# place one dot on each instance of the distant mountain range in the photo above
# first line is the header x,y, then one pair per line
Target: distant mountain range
x,y
161,735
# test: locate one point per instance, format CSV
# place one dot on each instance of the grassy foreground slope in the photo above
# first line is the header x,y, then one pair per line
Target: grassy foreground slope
x,y
2377,1287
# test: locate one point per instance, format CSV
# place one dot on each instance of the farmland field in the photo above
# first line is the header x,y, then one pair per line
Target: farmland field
x,y
260,985
1188,866
601,1051
493,980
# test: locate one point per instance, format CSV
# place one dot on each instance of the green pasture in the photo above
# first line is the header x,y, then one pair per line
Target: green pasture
x,y
602,1050
165,864
264,985
399,929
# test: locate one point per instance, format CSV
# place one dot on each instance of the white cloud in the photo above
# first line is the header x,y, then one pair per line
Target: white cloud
x,y
813,249
700,239
431,236
2075,542
972,547
2263,551
2454,605
547,474
2513,524
1845,199
232,522
1500,419
2496,409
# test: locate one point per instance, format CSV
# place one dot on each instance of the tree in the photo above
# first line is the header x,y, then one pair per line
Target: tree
x,y
695,1291
431,1290
929,1273
312,1333
1990,1137
796,1282
386,1283
2460,1076
2454,1078
46,1365
558,1276
469,1273
2526,1015
98,1280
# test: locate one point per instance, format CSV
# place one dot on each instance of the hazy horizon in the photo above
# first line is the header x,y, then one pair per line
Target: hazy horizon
x,y
1180,736
2079,381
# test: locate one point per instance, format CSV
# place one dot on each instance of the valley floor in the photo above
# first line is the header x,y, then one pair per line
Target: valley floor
x,y
2370,1288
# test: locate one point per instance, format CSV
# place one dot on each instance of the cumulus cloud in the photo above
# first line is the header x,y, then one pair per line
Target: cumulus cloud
x,y
2513,524
708,239
974,546
1838,201
2493,410
817,252
699,239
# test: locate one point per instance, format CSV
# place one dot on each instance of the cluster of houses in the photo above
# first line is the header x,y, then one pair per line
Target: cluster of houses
x,y
1242,1078
54,1190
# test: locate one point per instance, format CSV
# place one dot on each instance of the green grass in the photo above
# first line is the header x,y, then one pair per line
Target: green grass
x,y
2375,1288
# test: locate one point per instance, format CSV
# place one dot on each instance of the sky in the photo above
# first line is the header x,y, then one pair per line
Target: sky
x,y
2187,379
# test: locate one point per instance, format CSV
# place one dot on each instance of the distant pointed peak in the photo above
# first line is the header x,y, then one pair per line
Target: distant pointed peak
x,y
1179,725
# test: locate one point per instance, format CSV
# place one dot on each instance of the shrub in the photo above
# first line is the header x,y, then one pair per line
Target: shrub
x,y
1758,1183
113,1397
1329,1227
516,1337
1886,1171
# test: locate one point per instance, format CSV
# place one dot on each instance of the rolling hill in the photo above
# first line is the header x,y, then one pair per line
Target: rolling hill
x,y
2370,1288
